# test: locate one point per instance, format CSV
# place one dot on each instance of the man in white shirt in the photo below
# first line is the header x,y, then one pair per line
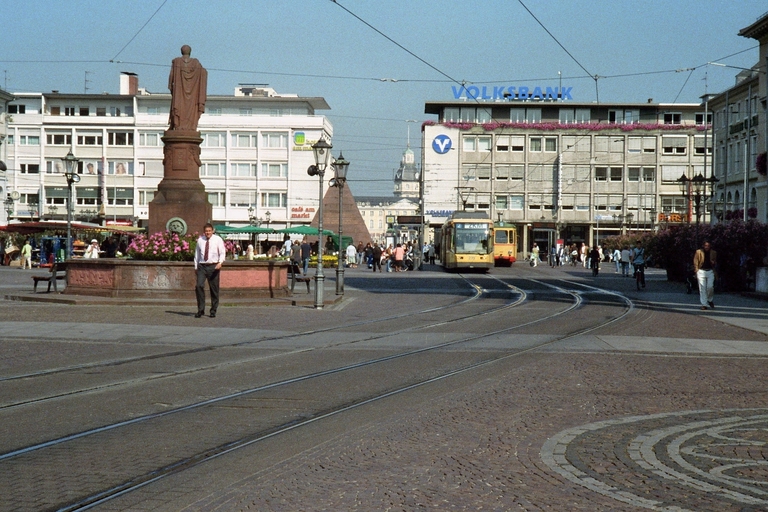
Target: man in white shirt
x,y
287,243
209,256
351,255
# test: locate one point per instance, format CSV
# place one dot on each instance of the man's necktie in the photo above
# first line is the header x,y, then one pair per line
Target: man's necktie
x,y
205,253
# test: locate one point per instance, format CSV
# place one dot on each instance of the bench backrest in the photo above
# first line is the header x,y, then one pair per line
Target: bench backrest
x,y
60,266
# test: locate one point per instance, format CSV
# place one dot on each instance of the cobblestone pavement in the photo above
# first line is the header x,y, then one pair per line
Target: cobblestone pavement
x,y
559,432
667,412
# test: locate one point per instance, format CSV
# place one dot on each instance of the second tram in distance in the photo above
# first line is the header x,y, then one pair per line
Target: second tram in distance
x,y
466,241
504,244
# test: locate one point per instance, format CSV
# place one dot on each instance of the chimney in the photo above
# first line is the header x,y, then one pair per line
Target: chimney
x,y
129,83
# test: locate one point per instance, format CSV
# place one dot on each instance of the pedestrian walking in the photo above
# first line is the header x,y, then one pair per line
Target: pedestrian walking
x,y
535,255
594,261
377,257
399,254
638,262
210,254
617,259
704,265
625,261
26,256
306,253
351,255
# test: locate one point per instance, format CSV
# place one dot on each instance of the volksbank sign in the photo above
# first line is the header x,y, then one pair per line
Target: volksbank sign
x,y
493,92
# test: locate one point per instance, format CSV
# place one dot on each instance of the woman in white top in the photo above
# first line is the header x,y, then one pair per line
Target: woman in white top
x,y
93,250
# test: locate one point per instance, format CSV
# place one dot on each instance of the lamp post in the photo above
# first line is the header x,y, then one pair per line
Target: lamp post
x,y
340,167
32,210
322,153
52,211
695,189
70,166
9,207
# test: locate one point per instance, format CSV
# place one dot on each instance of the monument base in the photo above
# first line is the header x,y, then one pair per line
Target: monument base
x,y
174,279
180,203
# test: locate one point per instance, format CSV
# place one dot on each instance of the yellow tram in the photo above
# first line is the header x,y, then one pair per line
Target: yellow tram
x,y
466,241
504,244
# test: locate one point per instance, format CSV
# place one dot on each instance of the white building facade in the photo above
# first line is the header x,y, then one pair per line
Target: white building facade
x,y
255,153
741,138
562,169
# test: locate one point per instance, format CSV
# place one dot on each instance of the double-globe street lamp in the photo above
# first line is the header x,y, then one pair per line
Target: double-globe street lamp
x,y
322,153
695,189
340,167
70,166
9,207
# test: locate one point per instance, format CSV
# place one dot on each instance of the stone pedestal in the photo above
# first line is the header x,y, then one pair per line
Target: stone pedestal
x,y
181,194
111,277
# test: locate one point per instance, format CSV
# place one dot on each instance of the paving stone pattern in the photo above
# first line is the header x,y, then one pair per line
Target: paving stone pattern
x,y
503,444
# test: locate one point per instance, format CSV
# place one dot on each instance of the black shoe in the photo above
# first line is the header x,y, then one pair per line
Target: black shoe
x,y
213,314
712,304
199,314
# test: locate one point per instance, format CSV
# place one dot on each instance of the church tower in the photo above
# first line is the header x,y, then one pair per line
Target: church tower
x,y
407,176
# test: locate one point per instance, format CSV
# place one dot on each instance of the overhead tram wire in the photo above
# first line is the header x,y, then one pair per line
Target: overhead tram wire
x,y
684,84
139,31
409,52
594,77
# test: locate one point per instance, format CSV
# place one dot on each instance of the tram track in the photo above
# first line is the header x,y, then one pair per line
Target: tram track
x,y
478,293
235,442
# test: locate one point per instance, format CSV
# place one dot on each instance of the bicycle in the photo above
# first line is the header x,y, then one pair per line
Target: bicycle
x,y
640,275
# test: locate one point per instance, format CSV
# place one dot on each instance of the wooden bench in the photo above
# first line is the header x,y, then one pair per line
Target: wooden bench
x,y
57,271
296,276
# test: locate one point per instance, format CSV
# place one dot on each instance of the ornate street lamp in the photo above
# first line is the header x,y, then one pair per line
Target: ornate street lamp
x,y
9,206
322,152
340,167
32,210
695,189
254,221
70,166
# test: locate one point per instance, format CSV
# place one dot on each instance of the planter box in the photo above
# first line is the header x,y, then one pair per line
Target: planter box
x,y
174,279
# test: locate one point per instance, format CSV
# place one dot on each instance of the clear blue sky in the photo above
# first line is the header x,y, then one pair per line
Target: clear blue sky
x,y
317,48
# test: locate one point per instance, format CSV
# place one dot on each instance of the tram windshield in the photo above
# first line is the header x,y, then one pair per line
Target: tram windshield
x,y
502,236
473,238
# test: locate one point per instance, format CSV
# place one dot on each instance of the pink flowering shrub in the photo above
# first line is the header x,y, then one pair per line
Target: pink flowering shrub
x,y
163,246
672,248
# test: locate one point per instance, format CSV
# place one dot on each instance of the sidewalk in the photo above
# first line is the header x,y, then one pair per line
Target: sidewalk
x,y
745,310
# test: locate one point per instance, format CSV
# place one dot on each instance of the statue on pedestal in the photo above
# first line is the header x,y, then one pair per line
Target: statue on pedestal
x,y
187,82
181,200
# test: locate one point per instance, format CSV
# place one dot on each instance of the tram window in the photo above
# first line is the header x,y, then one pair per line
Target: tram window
x,y
502,237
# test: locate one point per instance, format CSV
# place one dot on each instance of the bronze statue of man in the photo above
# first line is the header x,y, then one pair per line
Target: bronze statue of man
x,y
188,82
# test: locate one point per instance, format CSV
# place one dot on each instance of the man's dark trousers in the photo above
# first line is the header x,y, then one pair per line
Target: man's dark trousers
x,y
211,274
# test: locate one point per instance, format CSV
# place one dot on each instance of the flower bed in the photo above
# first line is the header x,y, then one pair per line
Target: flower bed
x,y
163,246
